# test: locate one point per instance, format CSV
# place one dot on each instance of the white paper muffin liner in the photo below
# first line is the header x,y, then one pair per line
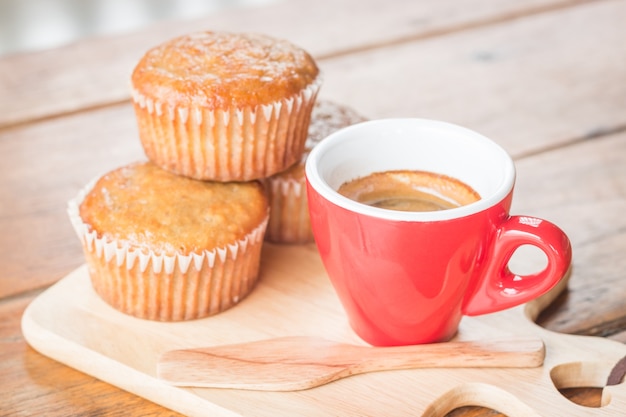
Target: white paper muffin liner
x,y
289,219
289,216
145,284
232,144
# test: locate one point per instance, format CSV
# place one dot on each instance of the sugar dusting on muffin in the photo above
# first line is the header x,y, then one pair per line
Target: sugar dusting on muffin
x,y
197,69
224,106
145,205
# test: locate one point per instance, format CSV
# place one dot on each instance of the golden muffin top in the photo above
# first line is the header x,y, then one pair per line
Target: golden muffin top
x,y
223,69
148,207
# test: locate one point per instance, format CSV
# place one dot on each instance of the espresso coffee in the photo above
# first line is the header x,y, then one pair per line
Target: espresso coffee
x,y
407,190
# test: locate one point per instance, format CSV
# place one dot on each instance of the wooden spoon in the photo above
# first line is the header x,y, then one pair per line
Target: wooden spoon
x,y
296,363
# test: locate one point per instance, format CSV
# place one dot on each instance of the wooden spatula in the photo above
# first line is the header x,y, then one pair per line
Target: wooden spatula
x,y
296,363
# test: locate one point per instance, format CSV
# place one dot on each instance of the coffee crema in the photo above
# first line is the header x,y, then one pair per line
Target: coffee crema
x,y
408,190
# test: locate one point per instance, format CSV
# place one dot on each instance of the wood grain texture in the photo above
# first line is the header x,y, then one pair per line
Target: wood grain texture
x,y
46,164
95,73
552,185
37,385
544,78
529,96
33,384
71,324
36,185
299,362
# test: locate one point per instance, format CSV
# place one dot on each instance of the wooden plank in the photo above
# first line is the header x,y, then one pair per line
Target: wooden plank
x,y
526,94
36,180
95,72
33,384
35,186
71,324
582,188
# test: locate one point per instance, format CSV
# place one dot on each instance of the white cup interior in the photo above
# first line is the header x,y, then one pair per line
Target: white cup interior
x,y
411,144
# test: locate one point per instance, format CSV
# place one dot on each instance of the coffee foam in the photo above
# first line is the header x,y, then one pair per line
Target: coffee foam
x,y
406,190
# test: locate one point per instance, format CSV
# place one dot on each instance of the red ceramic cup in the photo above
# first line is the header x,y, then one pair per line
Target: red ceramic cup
x,y
408,277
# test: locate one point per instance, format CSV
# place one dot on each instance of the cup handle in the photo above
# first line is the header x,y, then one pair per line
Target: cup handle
x,y
499,288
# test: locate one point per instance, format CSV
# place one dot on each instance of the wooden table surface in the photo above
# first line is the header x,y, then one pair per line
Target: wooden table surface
x,y
546,79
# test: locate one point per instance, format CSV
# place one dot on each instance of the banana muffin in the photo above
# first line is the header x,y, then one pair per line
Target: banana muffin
x,y
224,106
165,247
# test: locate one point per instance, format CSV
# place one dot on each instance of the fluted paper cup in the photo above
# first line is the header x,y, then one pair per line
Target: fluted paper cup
x,y
289,215
230,144
289,219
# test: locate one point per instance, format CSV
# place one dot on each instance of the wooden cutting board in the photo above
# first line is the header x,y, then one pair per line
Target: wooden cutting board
x,y
294,297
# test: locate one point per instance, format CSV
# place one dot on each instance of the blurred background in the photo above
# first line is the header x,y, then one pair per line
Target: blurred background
x,y
31,25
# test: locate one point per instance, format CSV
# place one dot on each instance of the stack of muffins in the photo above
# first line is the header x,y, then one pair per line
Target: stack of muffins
x,y
223,119
289,220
